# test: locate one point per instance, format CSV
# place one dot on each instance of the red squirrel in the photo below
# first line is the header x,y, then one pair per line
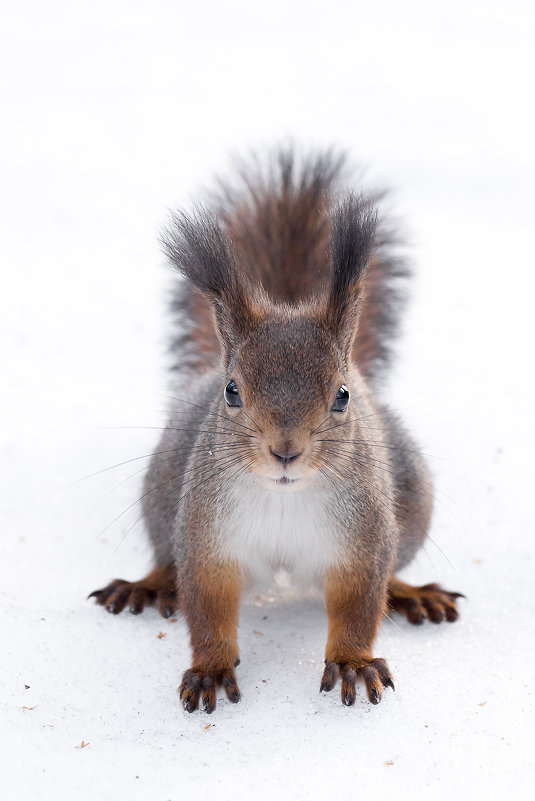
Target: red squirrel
x,y
277,452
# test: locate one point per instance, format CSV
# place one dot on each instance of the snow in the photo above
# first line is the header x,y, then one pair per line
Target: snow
x,y
113,112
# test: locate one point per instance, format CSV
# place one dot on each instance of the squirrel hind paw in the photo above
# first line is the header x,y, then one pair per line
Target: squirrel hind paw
x,y
136,595
428,602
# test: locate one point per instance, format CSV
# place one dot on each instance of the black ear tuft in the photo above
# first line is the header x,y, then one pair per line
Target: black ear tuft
x,y
354,224
353,234
196,246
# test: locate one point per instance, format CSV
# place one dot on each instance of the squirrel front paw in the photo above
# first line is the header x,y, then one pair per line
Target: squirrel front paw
x,y
374,673
201,684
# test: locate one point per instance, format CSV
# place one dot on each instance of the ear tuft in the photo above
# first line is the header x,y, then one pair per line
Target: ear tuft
x,y
354,223
196,246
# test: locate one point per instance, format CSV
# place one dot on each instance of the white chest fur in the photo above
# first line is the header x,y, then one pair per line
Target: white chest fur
x,y
267,530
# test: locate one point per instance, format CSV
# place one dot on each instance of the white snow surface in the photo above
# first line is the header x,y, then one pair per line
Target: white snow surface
x,y
112,113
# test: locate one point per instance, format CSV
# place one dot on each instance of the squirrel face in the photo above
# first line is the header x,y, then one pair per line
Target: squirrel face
x,y
285,379
287,362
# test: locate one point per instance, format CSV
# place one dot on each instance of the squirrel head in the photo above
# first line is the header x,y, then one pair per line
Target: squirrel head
x,y
286,367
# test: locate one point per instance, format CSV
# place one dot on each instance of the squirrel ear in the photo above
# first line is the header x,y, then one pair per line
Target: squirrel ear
x,y
352,238
197,247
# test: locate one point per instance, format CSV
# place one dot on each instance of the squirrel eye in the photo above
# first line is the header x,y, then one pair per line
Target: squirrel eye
x,y
342,399
232,395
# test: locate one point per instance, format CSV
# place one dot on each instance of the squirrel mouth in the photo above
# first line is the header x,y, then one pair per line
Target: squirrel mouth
x,y
285,480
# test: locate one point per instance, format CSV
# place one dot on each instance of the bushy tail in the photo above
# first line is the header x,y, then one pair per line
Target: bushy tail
x,y
276,213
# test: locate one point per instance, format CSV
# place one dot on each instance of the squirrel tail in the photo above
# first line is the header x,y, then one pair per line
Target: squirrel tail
x,y
276,214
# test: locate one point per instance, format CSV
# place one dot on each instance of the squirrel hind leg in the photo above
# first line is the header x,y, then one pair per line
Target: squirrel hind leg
x,y
157,588
428,601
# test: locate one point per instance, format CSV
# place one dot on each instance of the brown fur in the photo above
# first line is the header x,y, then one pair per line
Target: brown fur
x,y
204,333
277,235
354,602
365,347
210,595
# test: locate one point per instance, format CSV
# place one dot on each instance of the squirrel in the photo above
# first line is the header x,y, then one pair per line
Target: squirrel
x,y
278,453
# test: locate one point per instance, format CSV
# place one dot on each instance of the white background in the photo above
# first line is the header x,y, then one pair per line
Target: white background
x,y
112,112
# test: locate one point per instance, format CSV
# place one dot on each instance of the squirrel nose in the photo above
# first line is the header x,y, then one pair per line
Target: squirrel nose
x,y
286,456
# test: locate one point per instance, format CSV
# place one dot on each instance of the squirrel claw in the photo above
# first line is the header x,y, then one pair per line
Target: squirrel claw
x,y
198,684
428,602
374,672
157,588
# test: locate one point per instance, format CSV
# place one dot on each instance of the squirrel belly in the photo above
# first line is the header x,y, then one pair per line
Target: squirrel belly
x,y
266,530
